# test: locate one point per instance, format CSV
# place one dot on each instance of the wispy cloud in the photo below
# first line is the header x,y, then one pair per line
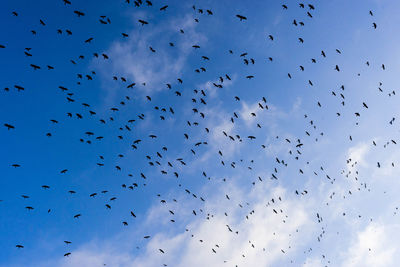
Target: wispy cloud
x,y
371,247
261,235
132,58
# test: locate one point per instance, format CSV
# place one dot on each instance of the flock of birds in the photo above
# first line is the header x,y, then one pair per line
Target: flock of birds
x,y
198,100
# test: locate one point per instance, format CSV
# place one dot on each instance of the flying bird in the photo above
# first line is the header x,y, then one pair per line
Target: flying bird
x,y
241,17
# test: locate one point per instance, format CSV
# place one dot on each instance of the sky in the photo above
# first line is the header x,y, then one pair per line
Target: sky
x,y
155,120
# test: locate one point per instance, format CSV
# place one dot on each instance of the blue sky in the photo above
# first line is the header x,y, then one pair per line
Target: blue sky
x,y
356,199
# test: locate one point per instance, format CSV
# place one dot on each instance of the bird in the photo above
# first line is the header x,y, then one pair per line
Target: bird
x,y
9,126
143,22
241,17
35,67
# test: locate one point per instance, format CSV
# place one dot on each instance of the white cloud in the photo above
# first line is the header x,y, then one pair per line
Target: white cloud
x,y
263,228
212,90
372,247
131,58
312,262
358,153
